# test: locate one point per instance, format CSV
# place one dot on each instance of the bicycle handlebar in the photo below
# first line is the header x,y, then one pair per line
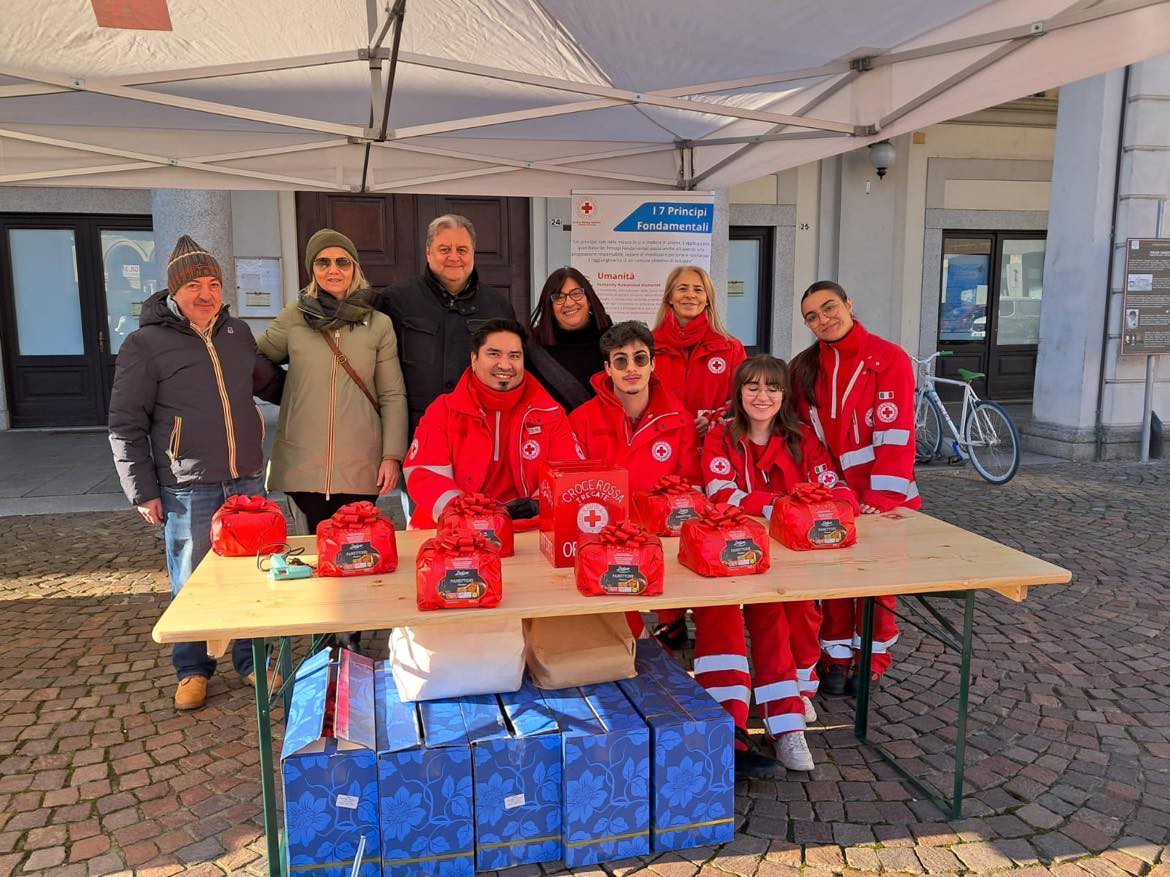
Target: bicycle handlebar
x,y
933,356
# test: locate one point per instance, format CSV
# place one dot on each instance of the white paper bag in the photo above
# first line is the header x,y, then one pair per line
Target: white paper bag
x,y
453,660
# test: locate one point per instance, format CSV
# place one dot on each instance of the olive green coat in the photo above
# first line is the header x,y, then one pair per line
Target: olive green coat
x,y
329,438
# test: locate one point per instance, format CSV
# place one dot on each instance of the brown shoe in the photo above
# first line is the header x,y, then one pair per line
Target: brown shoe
x,y
191,693
274,679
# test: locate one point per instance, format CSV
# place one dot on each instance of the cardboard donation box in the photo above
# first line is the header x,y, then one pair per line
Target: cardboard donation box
x,y
811,517
692,763
329,769
576,500
622,560
479,512
424,780
724,542
356,541
668,504
516,770
606,782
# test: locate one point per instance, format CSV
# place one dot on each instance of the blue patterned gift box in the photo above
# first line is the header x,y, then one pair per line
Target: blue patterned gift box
x,y
424,779
516,750
606,774
692,771
331,783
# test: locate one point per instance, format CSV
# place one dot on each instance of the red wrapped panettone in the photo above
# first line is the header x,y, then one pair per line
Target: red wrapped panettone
x,y
811,517
481,513
665,506
724,542
244,525
623,559
356,541
458,569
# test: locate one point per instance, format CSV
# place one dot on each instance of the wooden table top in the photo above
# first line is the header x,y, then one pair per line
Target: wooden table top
x,y
902,552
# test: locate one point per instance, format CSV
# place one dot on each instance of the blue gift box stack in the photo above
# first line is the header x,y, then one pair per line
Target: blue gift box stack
x,y
447,787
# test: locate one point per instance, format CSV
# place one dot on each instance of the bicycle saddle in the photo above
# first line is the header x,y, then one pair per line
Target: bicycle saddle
x,y
969,376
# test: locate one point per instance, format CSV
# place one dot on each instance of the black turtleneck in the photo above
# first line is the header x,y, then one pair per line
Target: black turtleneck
x,y
578,352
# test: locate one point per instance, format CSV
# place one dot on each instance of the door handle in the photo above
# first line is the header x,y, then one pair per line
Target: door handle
x,y
101,341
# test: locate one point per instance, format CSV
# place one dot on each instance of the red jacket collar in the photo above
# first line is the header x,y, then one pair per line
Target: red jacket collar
x,y
662,401
462,401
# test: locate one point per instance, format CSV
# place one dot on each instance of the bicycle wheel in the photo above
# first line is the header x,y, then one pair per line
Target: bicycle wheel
x,y
992,441
927,430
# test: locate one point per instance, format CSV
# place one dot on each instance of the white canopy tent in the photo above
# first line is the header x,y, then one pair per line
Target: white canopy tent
x,y
520,97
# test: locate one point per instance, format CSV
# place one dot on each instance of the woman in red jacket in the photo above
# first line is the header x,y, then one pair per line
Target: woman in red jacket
x,y
857,391
696,358
760,455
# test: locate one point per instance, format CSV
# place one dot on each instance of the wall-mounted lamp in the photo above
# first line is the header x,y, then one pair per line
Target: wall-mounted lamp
x,y
881,155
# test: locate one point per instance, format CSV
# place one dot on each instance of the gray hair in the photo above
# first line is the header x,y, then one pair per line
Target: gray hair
x,y
449,220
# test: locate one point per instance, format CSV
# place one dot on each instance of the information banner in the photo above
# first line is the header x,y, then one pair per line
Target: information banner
x,y
1145,324
258,287
627,243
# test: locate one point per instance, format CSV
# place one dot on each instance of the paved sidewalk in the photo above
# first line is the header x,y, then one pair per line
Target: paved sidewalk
x,y
1069,754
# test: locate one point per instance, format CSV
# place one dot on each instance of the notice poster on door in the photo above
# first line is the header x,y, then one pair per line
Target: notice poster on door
x,y
258,287
627,243
1145,325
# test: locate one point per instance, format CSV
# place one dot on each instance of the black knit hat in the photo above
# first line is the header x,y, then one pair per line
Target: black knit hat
x,y
323,240
189,261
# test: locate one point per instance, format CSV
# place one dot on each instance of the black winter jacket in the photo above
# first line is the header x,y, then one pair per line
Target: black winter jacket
x,y
181,410
434,333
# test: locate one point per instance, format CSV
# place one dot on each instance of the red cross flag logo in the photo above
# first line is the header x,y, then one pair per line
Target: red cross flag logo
x,y
591,517
869,418
530,450
661,451
887,412
720,465
413,450
717,365
586,208
828,478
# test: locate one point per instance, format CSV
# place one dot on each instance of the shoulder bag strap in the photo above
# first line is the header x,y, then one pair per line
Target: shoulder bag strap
x,y
344,363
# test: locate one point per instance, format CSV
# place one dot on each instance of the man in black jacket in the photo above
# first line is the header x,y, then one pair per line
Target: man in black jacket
x,y
435,314
185,432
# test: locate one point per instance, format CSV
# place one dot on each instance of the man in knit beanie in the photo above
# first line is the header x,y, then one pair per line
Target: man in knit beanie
x,y
194,284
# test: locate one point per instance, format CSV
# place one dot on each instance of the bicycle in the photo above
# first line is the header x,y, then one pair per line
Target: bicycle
x,y
989,437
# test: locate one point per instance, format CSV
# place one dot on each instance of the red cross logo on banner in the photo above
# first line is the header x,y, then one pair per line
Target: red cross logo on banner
x,y
586,207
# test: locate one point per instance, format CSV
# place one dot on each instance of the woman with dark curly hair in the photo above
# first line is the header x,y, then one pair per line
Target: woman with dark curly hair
x,y
567,325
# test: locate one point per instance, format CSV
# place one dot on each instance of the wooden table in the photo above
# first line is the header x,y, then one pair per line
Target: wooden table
x,y
902,552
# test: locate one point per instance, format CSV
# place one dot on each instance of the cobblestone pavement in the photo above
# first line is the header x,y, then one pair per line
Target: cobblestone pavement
x,y
1069,753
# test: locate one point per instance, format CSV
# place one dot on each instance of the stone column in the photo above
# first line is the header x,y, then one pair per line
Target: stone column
x,y
206,217
721,247
1079,297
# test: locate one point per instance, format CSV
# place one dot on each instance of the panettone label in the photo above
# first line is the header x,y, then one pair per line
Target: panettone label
x,y
827,531
740,551
622,575
357,556
461,580
682,508
483,526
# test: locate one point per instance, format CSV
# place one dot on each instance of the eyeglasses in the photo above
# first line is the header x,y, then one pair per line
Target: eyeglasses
x,y
323,264
558,298
828,309
621,362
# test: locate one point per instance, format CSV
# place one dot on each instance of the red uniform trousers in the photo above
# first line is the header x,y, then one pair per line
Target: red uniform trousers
x,y
721,661
841,631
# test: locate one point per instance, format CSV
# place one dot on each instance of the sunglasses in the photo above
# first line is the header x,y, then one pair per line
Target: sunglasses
x,y
620,361
559,298
323,264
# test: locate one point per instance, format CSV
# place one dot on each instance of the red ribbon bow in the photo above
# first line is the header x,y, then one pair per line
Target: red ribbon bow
x,y
808,493
240,503
364,512
475,504
722,514
463,541
671,485
622,534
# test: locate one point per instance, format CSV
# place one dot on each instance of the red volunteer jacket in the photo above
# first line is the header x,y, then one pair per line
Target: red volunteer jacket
x,y
731,475
702,380
865,416
453,447
663,442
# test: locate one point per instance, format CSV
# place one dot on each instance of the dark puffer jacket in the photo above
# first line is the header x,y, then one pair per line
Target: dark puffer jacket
x,y
434,333
181,411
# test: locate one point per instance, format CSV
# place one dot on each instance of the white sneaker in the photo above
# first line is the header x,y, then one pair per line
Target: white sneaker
x,y
792,751
810,713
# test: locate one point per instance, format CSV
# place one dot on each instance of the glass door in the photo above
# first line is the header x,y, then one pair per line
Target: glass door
x,y
749,287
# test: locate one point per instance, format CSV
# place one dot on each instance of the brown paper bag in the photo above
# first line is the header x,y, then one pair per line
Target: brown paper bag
x,y
577,650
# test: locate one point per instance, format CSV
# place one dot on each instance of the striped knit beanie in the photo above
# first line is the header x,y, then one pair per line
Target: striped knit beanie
x,y
189,261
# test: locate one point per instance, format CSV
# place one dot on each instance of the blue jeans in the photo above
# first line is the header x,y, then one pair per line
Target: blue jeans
x,y
187,532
